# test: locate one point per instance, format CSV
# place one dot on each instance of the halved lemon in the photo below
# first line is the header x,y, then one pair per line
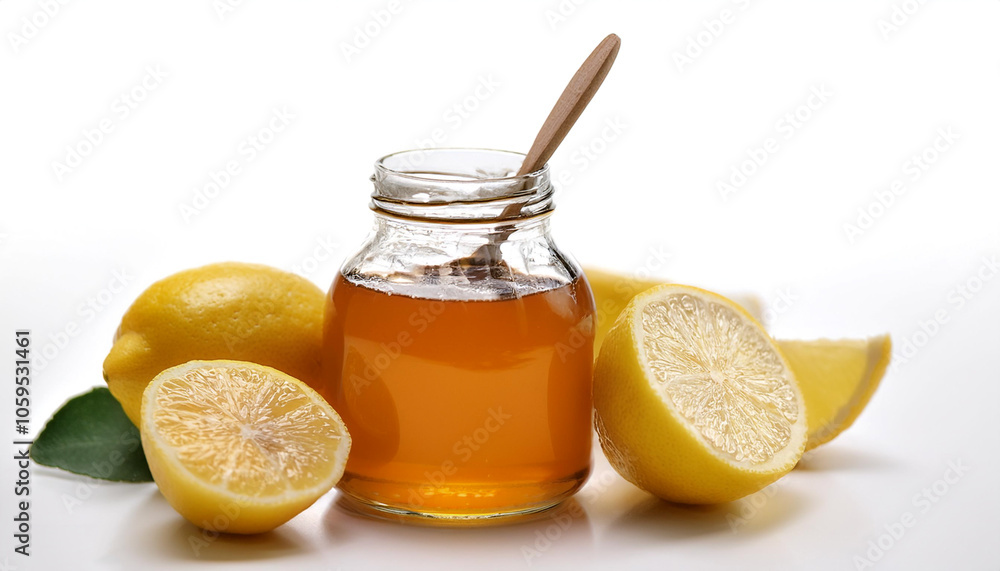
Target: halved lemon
x,y
238,447
837,379
694,402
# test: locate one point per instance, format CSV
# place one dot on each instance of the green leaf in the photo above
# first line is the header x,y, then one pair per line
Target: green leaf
x,y
91,435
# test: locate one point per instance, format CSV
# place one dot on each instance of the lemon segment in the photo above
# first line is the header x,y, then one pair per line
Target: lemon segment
x,y
837,379
694,402
238,447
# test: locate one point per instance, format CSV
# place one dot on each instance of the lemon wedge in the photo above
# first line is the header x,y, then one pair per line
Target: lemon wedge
x,y
837,379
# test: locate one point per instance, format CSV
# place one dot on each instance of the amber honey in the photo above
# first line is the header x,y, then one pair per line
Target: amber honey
x,y
461,408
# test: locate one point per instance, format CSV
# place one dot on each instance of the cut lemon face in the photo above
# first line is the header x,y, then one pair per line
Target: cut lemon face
x,y
238,447
837,379
694,402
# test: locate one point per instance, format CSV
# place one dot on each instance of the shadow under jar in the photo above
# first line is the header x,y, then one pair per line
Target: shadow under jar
x,y
458,344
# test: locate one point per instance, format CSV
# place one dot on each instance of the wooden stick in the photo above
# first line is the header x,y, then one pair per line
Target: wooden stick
x,y
567,110
571,103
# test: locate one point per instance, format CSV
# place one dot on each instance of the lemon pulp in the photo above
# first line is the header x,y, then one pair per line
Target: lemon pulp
x,y
720,373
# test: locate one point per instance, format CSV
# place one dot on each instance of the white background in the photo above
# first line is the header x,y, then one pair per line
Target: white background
x,y
646,201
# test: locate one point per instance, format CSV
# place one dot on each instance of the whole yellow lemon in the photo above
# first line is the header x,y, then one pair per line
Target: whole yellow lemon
x,y
231,311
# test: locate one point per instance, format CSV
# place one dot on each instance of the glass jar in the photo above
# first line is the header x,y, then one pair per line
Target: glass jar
x,y
458,344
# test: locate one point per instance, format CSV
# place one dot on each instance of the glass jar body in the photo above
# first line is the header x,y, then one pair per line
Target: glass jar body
x,y
465,382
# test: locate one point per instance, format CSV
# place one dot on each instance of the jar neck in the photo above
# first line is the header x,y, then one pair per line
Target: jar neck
x,y
514,229
460,186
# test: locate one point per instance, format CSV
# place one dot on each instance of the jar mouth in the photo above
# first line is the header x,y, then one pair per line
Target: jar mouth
x,y
459,184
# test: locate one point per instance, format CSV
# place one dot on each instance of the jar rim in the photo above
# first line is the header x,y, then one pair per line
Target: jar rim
x,y
382,164
459,184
